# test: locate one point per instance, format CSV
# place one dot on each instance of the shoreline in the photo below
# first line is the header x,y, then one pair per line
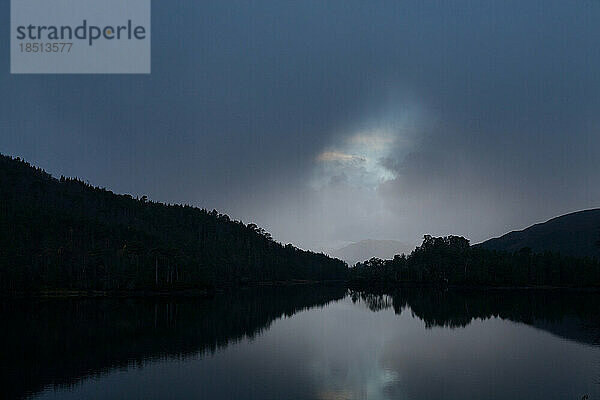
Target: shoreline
x,y
486,288
208,292
211,292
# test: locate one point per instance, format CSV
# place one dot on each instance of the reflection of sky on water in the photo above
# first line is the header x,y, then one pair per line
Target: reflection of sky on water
x,y
345,351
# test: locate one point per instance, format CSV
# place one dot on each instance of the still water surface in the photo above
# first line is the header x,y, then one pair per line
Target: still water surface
x,y
306,343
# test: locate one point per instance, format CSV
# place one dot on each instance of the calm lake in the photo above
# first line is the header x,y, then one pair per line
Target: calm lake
x,y
305,342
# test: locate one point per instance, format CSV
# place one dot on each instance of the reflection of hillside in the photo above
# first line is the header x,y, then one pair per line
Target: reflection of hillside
x,y
572,315
59,342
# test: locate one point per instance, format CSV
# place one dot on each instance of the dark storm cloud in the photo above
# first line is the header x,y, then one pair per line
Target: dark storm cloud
x,y
245,98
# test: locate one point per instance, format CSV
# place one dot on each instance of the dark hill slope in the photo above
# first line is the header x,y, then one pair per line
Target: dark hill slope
x,y
574,234
67,234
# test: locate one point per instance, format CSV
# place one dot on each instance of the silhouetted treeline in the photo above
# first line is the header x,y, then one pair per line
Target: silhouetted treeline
x,y
67,234
58,342
452,261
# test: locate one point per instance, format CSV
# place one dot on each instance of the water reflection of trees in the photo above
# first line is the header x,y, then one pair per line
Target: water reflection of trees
x,y
58,342
374,301
569,314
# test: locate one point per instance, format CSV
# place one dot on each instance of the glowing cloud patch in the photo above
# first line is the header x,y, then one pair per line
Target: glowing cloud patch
x,y
357,159
340,157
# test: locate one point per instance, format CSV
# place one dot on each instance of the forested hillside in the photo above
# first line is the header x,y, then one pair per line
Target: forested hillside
x,y
67,234
575,234
451,260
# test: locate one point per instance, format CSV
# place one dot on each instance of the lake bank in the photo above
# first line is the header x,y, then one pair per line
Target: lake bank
x,y
207,292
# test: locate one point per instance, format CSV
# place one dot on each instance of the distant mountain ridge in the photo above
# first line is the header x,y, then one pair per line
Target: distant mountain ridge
x,y
369,248
575,234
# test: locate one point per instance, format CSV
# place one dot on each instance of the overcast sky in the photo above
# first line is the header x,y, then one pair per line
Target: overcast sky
x,y
328,122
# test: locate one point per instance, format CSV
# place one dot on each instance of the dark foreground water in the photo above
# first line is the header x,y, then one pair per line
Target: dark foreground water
x,y
305,343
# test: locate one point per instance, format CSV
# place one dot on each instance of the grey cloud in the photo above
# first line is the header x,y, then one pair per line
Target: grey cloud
x,y
244,96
